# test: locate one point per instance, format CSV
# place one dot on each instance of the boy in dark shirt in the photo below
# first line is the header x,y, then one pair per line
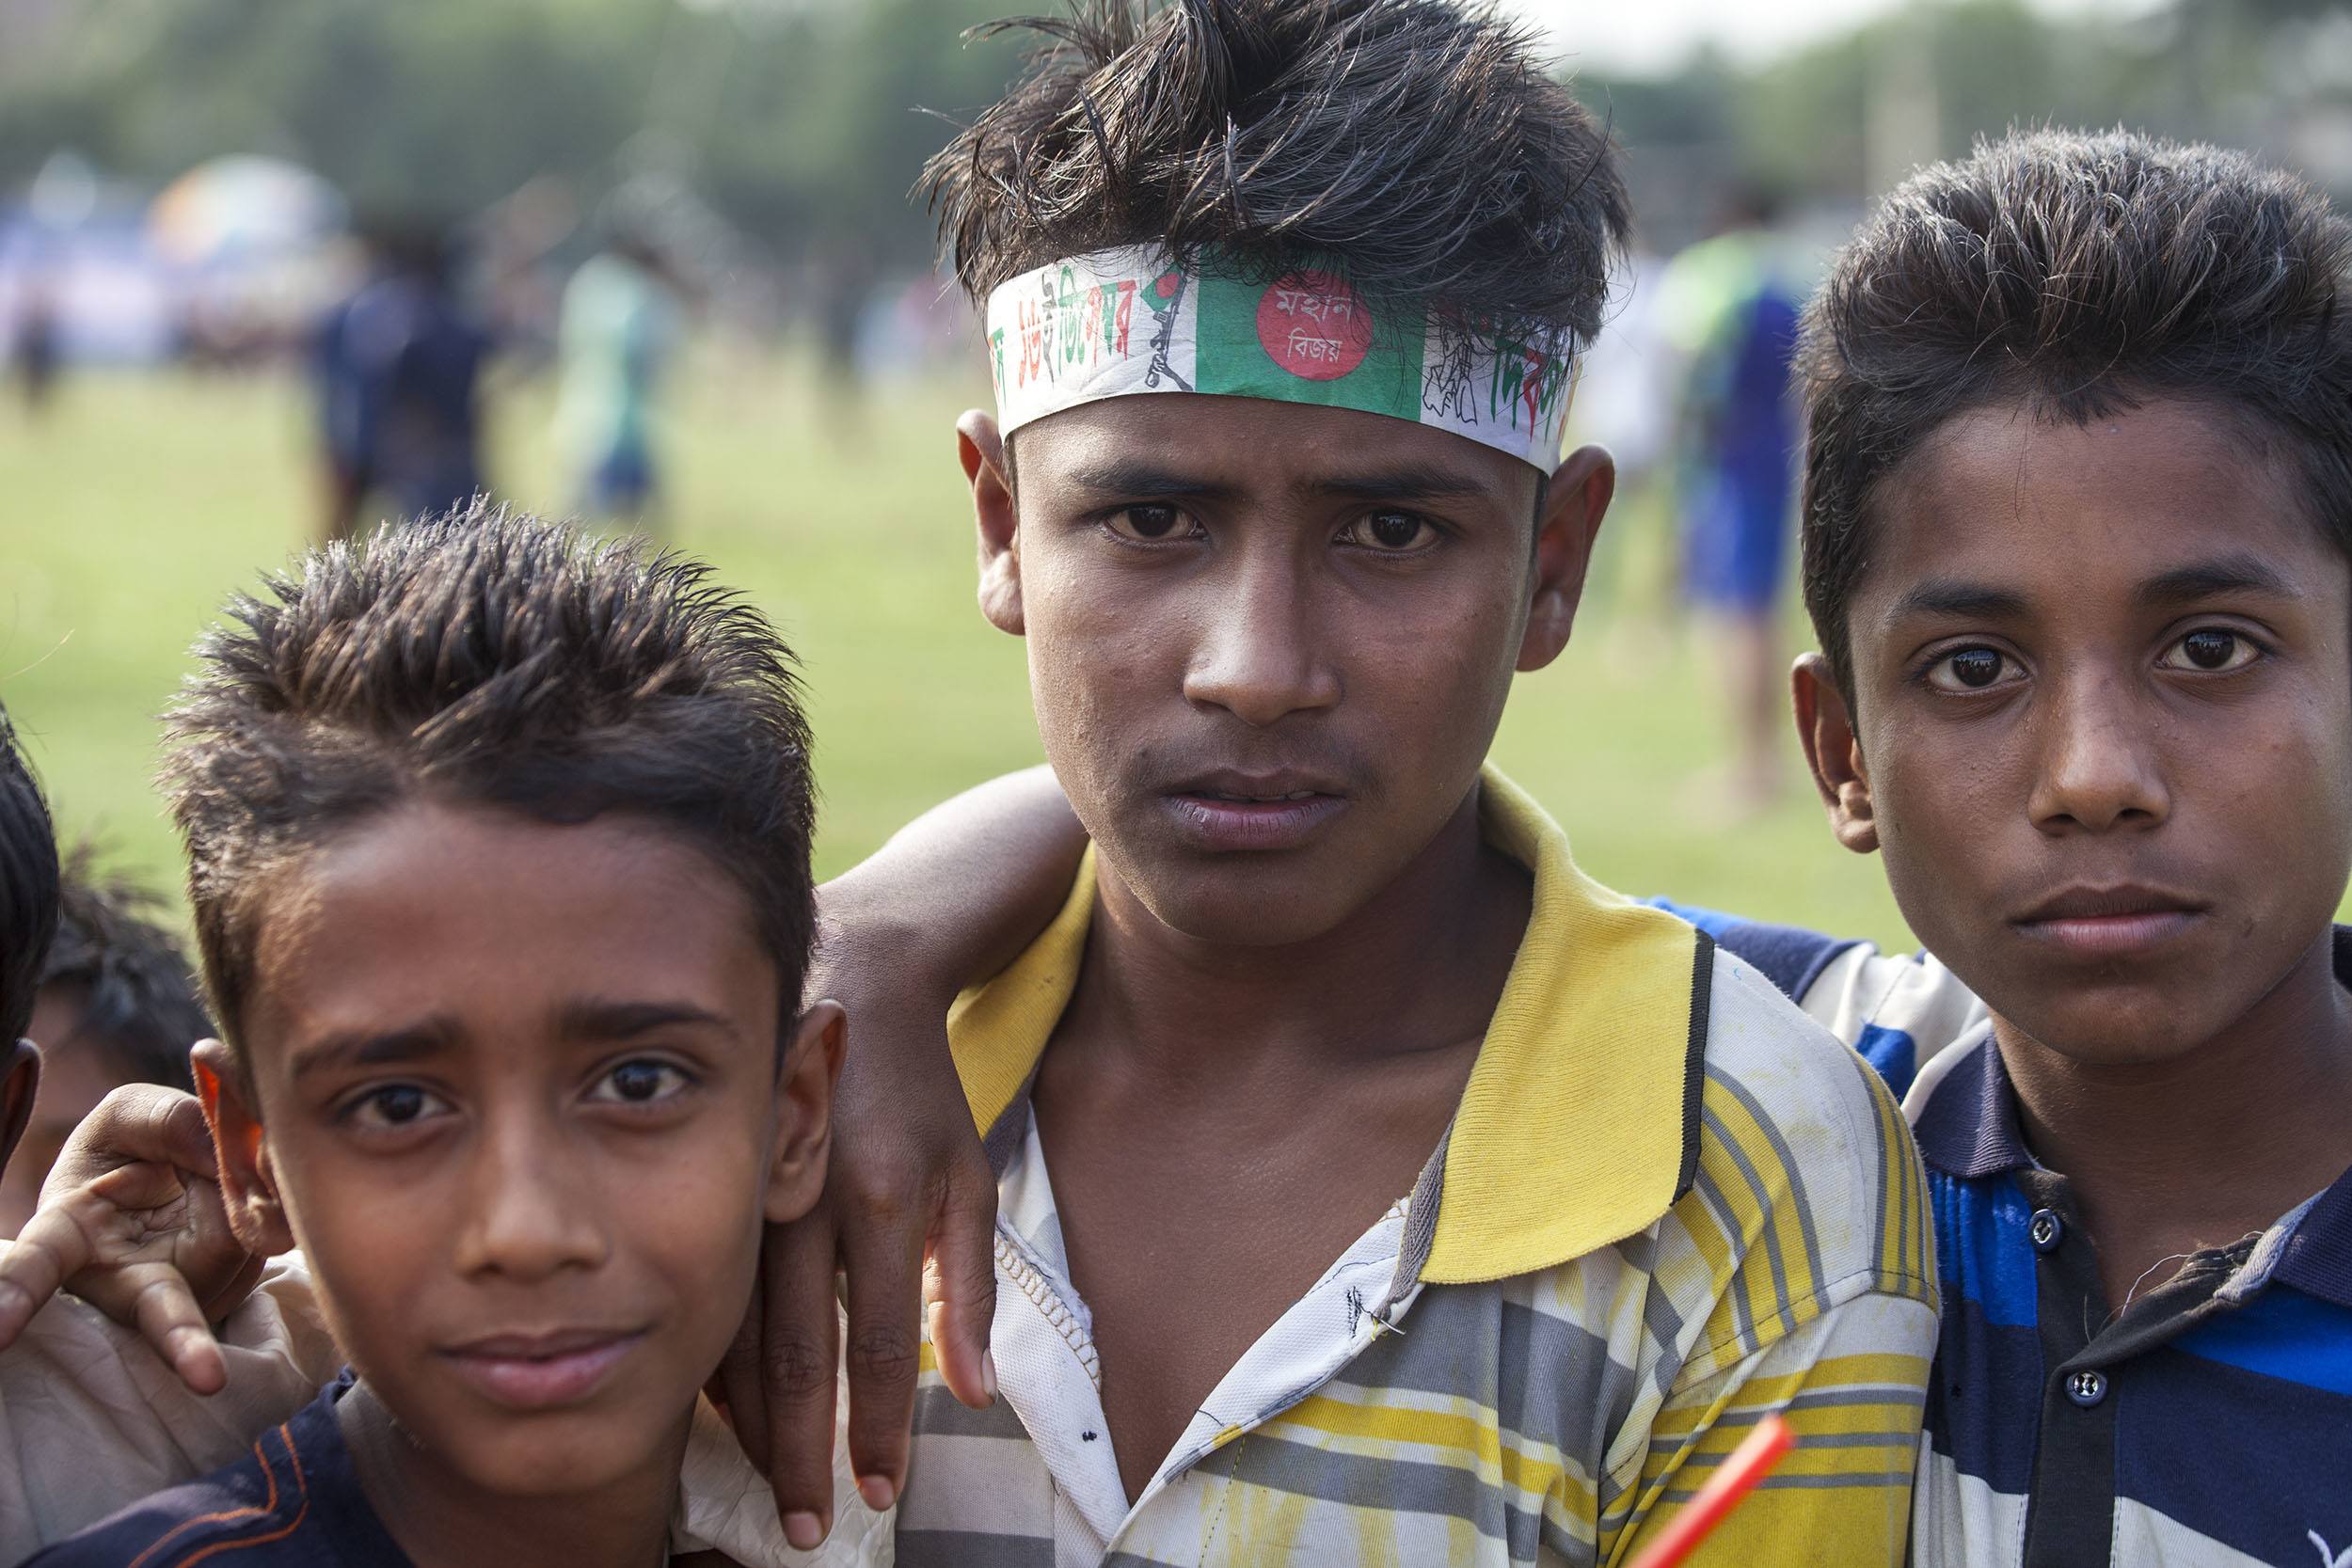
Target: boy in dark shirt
x,y
2078,547
498,857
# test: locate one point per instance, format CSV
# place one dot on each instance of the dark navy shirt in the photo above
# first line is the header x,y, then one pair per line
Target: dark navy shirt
x,y
294,1500
2209,1423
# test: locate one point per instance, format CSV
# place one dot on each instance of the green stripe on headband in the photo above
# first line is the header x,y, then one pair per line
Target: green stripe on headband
x,y
1120,323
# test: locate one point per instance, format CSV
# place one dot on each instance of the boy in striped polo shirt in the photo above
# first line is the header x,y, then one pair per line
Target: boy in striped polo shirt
x,y
1412,1198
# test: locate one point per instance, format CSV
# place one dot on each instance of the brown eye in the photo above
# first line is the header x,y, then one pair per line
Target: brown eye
x,y
641,1083
402,1103
1969,669
1148,524
2214,650
637,1080
1394,532
392,1107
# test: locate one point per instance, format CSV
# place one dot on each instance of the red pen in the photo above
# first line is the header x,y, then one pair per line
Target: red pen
x,y
1733,1479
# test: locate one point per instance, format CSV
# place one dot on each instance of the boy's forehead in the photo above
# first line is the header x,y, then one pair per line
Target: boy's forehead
x,y
431,912
2056,514
1262,447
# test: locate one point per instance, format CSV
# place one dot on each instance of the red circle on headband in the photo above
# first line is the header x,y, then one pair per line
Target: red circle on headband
x,y
1314,325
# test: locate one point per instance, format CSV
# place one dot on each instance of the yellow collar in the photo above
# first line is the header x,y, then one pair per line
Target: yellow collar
x,y
1580,1124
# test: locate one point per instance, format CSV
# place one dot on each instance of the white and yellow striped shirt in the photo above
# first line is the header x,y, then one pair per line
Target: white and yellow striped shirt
x,y
1667,1204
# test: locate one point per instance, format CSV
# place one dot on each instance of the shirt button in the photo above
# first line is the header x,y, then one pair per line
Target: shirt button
x,y
2046,1230
2086,1387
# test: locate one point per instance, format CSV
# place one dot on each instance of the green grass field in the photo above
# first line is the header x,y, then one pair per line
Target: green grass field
x,y
129,514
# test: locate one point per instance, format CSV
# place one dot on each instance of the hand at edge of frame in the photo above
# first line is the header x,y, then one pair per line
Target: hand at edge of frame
x,y
131,1220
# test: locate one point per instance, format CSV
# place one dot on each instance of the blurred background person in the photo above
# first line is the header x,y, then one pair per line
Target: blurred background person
x,y
398,365
835,287
34,361
1728,306
119,1004
623,318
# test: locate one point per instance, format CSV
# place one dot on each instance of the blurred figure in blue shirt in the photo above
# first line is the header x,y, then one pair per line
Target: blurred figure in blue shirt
x,y
1729,309
398,366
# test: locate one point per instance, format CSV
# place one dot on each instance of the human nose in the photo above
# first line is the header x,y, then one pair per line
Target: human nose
x,y
530,1214
2098,765
1259,655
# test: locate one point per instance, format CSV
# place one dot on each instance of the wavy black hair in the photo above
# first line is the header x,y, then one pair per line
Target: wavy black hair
x,y
1419,147
489,657
134,993
2077,275
28,887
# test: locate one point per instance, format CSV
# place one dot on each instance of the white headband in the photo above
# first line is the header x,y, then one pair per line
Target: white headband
x,y
1120,323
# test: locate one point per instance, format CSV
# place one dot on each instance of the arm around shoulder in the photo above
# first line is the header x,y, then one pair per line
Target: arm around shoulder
x,y
955,894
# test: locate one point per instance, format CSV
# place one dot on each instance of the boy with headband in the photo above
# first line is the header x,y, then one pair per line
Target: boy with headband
x,y
1411,1197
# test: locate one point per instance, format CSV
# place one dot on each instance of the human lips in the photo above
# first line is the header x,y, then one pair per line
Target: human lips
x,y
543,1370
2120,920
1231,810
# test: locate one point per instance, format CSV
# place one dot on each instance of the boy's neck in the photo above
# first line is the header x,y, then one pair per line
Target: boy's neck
x,y
442,1520
2203,1148
1418,966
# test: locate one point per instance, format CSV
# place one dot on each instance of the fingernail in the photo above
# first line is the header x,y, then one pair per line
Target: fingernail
x,y
806,1531
987,1373
878,1491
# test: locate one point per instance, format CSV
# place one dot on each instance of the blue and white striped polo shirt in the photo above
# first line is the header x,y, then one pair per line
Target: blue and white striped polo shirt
x,y
2210,1424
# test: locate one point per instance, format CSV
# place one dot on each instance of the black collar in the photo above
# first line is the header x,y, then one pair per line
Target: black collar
x,y
1968,1128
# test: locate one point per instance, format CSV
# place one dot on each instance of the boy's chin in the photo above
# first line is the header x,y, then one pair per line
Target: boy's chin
x,y
572,1454
2121,1028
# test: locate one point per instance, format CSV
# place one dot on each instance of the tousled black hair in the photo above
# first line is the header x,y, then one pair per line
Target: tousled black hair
x,y
2077,274
135,996
1419,147
28,887
489,657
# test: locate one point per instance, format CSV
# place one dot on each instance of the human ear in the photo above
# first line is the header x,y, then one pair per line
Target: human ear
x,y
981,451
796,1172
1574,504
1825,730
20,1080
249,1187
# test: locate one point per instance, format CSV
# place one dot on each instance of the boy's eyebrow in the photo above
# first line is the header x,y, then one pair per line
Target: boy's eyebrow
x,y
1957,597
597,1018
592,1018
1145,480
2235,573
356,1048
1409,483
